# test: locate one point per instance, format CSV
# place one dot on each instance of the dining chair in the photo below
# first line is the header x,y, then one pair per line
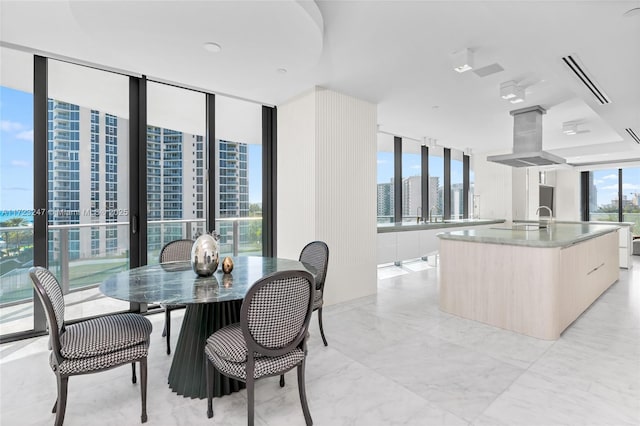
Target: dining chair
x,y
173,251
316,254
270,338
92,345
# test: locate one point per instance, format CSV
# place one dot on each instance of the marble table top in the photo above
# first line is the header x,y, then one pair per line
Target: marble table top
x,y
176,283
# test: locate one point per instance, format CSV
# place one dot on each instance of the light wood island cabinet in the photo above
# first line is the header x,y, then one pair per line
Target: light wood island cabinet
x,y
531,281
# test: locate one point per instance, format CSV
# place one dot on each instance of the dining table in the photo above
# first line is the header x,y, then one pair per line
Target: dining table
x,y
212,302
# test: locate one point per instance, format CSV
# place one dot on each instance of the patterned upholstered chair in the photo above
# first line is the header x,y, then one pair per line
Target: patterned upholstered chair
x,y
270,338
90,346
173,251
316,254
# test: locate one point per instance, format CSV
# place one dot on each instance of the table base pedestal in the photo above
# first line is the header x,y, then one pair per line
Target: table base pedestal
x,y
187,374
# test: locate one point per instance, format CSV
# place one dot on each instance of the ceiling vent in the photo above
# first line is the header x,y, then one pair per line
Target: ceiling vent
x,y
633,134
579,70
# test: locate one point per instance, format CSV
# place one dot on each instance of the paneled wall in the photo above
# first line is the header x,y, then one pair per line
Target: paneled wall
x,y
327,186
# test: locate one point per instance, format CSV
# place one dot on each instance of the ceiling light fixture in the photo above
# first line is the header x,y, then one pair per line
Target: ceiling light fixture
x,y
570,128
463,60
510,91
212,47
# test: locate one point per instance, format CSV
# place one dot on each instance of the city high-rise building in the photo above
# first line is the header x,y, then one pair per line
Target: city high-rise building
x,y
385,202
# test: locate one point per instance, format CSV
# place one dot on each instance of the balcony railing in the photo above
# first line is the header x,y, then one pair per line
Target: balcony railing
x,y
79,263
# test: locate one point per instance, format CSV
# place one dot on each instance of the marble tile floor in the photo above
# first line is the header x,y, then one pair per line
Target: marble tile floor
x,y
393,359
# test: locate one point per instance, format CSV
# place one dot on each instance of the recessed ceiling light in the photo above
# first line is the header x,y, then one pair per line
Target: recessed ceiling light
x,y
212,47
282,70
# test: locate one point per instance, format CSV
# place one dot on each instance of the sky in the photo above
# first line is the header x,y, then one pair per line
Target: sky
x,y
16,149
606,182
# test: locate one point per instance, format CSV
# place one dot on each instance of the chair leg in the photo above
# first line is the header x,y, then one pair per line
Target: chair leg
x,y
250,400
282,380
321,329
303,394
63,383
209,375
143,388
167,328
134,379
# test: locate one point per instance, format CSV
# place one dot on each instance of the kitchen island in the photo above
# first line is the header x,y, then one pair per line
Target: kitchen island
x,y
531,278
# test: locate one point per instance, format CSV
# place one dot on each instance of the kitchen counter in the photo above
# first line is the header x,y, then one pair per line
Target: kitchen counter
x,y
531,280
412,226
531,234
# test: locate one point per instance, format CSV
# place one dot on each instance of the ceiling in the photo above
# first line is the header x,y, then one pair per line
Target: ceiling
x,y
395,54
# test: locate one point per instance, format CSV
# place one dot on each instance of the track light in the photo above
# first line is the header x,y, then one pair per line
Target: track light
x,y
463,60
510,91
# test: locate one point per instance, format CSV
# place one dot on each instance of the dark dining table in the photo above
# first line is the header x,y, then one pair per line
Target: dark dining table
x,y
211,303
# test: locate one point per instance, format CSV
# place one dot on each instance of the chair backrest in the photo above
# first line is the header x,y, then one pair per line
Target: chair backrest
x,y
50,295
276,311
175,251
316,254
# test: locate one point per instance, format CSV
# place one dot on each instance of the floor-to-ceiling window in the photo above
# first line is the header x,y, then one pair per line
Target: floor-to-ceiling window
x,y
16,191
411,181
176,165
631,197
603,195
385,192
88,181
436,183
238,205
457,192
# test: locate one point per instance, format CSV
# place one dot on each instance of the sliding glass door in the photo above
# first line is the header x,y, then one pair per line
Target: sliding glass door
x,y
16,192
238,176
176,166
87,182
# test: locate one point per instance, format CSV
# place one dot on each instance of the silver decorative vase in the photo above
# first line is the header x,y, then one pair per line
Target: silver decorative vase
x,y
205,255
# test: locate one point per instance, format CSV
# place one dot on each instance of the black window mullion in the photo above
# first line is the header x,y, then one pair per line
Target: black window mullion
x,y
446,214
465,186
211,161
40,179
619,195
424,181
137,180
397,179
269,180
584,194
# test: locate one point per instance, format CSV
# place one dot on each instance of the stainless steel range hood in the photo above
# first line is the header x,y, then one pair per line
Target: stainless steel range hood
x,y
527,141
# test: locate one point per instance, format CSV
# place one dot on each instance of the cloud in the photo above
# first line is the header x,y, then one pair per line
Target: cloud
x,y
382,161
610,177
610,187
27,135
16,188
10,126
416,167
20,163
630,186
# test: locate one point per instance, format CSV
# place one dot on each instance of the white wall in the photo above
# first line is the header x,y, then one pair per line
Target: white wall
x,y
327,187
513,193
493,184
567,195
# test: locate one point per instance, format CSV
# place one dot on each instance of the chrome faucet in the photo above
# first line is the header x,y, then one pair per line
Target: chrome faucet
x,y
550,213
431,214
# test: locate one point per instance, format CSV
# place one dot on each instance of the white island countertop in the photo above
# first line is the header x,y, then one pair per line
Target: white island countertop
x,y
531,234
